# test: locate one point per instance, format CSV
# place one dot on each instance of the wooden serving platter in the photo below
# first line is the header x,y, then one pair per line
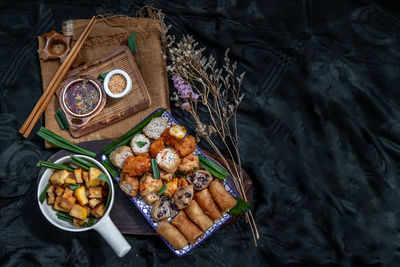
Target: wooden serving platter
x,y
115,109
124,214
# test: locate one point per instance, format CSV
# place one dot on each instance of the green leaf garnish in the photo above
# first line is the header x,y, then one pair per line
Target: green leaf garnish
x,y
64,216
43,195
51,165
132,42
89,223
104,178
141,143
241,207
162,189
61,119
156,172
61,142
74,186
102,76
113,172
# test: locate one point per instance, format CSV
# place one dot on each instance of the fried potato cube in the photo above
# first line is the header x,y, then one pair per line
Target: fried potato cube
x,y
78,176
59,191
80,195
59,177
70,181
95,192
171,187
68,192
99,210
51,200
78,222
88,209
93,202
93,177
67,201
50,191
85,178
57,206
78,212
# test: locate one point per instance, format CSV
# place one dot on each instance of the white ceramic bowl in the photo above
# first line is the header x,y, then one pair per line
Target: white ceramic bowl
x,y
104,225
127,89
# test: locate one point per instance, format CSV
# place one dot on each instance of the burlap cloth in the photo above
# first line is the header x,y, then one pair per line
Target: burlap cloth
x,y
106,36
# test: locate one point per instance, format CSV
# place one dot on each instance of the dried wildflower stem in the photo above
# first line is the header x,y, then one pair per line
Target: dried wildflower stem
x,y
199,81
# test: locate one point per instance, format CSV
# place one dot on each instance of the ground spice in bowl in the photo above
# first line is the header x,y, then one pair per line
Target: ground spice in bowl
x,y
117,84
58,48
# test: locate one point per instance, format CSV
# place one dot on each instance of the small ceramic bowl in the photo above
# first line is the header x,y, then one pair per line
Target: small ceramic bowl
x,y
128,83
104,225
81,99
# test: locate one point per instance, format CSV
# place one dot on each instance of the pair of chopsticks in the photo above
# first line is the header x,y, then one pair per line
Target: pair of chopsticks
x,y
62,71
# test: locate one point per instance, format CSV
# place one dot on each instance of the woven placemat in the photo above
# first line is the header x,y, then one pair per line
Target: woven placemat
x,y
106,36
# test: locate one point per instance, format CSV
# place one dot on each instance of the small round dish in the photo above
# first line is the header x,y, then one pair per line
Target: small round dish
x,y
81,99
128,86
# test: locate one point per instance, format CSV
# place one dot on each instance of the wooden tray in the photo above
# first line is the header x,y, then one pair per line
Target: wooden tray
x,y
115,109
124,214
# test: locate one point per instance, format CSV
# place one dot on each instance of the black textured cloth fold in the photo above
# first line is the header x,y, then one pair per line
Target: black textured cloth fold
x,y
319,132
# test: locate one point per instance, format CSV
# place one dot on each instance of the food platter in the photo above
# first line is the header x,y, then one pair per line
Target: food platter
x,y
145,208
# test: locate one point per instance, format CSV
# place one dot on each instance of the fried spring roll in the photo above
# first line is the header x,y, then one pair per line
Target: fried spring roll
x,y
224,200
207,204
188,229
197,215
172,235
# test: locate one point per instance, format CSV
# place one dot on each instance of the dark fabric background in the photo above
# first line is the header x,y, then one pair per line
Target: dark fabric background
x,y
319,132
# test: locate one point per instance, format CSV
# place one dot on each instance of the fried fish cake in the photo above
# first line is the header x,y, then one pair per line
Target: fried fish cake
x,y
186,146
137,165
156,147
189,163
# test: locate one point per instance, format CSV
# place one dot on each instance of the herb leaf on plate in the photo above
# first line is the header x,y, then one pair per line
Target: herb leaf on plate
x,y
241,207
141,143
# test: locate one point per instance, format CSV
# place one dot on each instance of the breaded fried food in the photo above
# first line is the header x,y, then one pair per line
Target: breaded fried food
x,y
173,134
186,146
189,163
149,185
119,155
168,160
128,184
140,144
155,127
156,147
137,165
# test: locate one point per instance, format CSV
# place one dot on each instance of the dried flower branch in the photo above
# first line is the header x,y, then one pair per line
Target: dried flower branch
x,y
199,81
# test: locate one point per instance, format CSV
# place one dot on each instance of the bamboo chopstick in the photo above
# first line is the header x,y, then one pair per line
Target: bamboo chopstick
x,y
55,82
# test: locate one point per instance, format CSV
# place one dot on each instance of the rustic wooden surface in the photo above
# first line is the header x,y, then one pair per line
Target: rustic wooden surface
x,y
115,109
124,213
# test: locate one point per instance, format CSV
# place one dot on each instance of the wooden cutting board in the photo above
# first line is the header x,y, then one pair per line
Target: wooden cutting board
x,y
124,213
115,109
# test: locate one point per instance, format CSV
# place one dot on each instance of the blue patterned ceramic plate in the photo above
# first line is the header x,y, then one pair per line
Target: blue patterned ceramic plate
x,y
145,208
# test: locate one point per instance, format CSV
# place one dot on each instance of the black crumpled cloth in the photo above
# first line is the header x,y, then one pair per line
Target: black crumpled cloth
x,y
319,132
